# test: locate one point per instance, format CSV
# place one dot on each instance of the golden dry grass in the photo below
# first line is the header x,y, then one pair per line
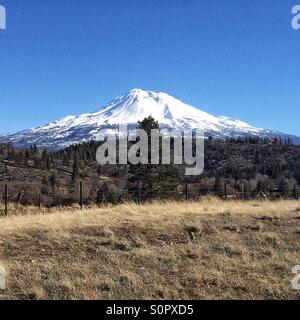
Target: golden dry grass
x,y
189,250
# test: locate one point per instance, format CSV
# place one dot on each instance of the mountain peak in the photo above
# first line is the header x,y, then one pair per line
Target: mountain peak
x,y
129,109
146,98
138,92
141,93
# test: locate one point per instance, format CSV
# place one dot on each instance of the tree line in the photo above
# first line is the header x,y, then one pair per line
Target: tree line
x,y
247,165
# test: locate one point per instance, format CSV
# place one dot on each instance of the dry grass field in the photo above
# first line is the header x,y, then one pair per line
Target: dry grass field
x,y
189,250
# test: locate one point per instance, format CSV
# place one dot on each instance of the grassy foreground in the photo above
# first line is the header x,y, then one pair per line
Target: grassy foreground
x,y
206,250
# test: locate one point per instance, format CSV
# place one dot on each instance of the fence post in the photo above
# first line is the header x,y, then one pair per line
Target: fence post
x,y
243,191
6,199
225,191
296,195
40,200
139,192
81,195
186,191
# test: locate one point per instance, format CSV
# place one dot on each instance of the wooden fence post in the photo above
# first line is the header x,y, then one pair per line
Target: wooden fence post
x,y
296,194
186,191
40,200
139,192
81,195
225,191
6,199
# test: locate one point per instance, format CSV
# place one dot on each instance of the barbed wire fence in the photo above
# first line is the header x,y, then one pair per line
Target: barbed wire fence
x,y
184,192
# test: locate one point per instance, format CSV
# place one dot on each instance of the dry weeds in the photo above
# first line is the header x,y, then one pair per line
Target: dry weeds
x,y
189,250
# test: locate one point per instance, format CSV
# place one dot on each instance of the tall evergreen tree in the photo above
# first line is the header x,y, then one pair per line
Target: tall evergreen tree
x,y
155,180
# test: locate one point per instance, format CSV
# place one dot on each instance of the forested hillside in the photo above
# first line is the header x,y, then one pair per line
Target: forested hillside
x,y
248,166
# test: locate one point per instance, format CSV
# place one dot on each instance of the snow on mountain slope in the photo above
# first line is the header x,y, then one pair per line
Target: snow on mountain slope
x,y
136,105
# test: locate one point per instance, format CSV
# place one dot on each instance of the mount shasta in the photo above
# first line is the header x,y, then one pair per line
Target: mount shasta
x,y
136,105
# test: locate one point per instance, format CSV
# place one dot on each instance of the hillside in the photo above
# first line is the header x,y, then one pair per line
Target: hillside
x,y
207,250
247,165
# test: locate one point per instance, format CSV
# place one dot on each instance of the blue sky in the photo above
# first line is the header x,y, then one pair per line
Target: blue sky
x,y
230,57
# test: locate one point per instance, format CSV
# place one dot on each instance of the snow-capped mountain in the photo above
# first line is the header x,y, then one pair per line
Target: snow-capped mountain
x,y
136,105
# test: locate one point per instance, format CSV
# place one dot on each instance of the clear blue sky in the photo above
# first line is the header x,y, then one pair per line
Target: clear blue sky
x,y
228,57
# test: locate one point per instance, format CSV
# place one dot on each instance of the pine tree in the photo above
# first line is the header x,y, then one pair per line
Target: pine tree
x,y
156,181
